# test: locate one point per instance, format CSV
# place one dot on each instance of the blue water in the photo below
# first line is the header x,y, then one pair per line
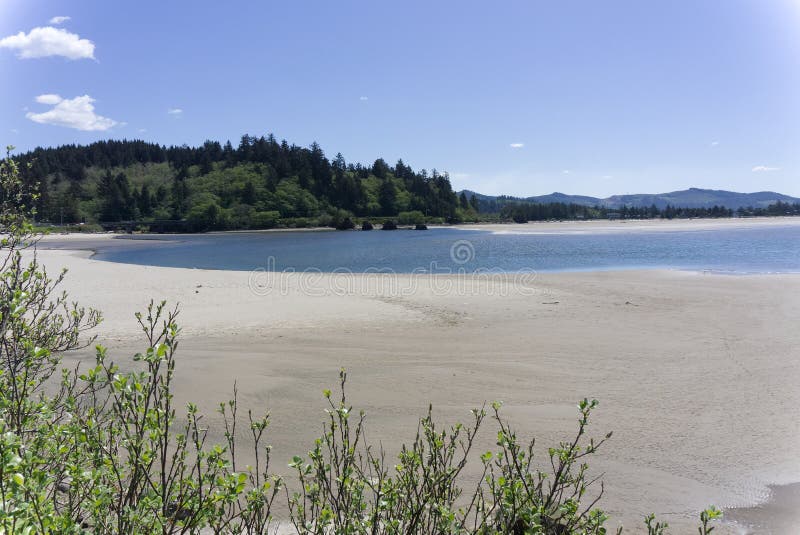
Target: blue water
x,y
744,250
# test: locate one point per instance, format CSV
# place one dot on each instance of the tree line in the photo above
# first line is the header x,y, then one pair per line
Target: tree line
x,y
219,186
262,183
524,212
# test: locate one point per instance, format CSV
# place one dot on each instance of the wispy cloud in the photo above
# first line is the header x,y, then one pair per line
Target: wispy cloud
x,y
59,20
142,130
48,41
607,177
565,171
714,143
49,99
363,98
77,113
175,112
764,169
14,131
517,145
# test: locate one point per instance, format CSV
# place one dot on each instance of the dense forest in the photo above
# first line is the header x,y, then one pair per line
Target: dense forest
x,y
263,183
258,184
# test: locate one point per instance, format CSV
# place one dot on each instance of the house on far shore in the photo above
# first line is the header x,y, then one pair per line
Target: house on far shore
x,y
613,216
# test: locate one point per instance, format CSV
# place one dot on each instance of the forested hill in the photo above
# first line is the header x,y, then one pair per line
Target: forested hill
x,y
255,185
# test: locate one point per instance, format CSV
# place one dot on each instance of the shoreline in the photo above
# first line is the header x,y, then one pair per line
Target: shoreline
x,y
531,227
90,252
779,512
128,243
609,335
604,226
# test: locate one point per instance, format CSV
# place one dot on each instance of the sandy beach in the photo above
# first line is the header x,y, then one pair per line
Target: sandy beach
x,y
602,226
696,373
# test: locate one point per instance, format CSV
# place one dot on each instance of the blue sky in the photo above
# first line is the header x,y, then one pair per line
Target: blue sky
x,y
586,97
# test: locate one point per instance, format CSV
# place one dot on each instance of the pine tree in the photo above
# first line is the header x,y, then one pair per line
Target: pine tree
x,y
249,193
145,201
387,197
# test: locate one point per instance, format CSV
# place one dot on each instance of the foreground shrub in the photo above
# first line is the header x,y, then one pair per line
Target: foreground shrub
x,y
348,487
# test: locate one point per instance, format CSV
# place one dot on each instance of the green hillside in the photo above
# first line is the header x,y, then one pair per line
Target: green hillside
x,y
262,183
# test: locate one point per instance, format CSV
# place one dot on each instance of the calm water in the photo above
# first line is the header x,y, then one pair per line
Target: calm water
x,y
747,250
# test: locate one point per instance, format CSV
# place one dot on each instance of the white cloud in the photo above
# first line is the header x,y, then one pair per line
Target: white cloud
x,y
75,113
764,169
175,112
49,41
517,145
565,171
142,130
59,20
363,98
606,177
49,99
714,143
14,131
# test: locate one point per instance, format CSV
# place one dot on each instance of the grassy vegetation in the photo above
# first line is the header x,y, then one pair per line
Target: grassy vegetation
x,y
103,452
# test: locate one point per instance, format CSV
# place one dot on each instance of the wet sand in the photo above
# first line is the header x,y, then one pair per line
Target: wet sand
x,y
780,515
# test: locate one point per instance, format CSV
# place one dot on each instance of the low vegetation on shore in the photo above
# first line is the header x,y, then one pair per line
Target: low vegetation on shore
x,y
104,450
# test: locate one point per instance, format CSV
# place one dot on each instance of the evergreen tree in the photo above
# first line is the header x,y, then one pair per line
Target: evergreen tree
x,y
116,199
387,197
379,168
180,195
249,193
145,201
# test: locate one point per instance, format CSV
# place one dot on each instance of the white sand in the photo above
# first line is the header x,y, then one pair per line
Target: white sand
x,y
697,374
598,226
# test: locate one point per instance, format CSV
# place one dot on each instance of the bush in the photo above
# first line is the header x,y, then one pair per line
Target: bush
x,y
342,220
261,220
346,224
325,220
203,217
414,217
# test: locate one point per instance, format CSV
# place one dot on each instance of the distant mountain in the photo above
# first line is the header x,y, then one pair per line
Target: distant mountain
x,y
566,199
689,198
